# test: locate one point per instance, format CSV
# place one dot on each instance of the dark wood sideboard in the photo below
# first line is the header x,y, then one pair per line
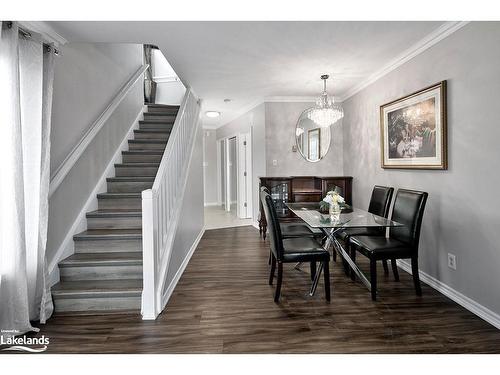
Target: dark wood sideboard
x,y
300,189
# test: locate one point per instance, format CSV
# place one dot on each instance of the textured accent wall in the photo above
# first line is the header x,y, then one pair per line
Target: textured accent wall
x,y
462,215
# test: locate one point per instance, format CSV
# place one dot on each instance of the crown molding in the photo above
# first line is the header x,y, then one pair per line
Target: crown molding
x,y
422,45
44,29
290,99
295,99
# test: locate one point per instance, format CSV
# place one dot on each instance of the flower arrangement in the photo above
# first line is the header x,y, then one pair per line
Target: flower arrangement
x,y
332,201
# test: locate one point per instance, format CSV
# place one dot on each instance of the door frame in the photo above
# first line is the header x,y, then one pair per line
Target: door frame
x,y
240,195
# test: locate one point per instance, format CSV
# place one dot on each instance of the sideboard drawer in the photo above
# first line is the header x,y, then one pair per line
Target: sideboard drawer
x,y
316,197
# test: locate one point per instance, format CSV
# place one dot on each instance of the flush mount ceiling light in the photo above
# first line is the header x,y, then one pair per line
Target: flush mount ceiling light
x,y
212,114
326,112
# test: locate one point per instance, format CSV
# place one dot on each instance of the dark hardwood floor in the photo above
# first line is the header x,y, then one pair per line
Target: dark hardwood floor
x,y
223,304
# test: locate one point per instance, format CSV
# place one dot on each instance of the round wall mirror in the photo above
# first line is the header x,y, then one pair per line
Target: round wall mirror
x,y
312,140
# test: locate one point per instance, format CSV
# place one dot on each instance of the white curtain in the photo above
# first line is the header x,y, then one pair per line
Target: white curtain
x,y
26,77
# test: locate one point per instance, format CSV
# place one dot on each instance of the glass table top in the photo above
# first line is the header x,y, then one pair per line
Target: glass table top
x,y
349,217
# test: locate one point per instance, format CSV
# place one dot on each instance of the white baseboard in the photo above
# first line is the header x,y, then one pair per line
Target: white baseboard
x,y
464,301
255,224
67,247
170,289
211,204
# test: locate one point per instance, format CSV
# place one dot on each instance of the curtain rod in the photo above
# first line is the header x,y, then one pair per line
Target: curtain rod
x,y
27,34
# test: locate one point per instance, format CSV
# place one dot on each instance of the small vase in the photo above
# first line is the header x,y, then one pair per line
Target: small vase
x,y
334,211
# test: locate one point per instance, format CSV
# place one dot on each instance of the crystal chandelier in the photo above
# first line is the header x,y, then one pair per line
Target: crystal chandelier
x,y
326,112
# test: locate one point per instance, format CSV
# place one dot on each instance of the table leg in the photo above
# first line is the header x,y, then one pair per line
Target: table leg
x,y
341,251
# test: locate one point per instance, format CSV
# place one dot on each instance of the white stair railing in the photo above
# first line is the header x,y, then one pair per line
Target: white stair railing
x,y
161,205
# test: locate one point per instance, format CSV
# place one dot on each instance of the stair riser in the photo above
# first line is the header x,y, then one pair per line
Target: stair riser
x,y
152,126
108,246
159,116
155,136
160,110
114,222
108,303
119,203
128,187
135,171
75,273
147,146
138,158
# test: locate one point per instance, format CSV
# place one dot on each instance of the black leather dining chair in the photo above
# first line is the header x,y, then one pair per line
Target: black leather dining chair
x,y
291,229
291,250
402,242
380,202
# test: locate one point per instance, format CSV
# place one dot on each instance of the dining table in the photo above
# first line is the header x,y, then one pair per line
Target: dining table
x,y
331,225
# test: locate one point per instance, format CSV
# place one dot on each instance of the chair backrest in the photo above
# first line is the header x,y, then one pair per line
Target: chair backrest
x,y
380,202
275,237
264,188
408,210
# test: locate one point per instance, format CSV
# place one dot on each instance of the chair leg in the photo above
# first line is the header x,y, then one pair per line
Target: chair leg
x,y
373,278
270,257
395,269
386,267
416,278
278,283
313,270
353,257
334,255
273,268
326,275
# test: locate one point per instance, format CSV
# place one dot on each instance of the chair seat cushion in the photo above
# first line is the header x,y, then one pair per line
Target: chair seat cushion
x,y
291,230
350,232
303,249
378,247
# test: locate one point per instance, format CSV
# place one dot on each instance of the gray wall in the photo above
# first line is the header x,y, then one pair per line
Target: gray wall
x,y
254,121
192,216
210,166
87,77
281,119
462,215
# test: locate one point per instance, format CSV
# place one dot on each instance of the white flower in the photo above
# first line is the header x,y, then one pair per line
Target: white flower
x,y
332,197
328,199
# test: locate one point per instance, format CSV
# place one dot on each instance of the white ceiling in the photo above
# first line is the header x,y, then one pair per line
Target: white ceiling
x,y
249,61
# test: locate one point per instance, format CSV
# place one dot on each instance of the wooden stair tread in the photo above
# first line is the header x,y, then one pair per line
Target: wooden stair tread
x,y
148,141
161,131
130,178
143,152
158,121
137,164
86,287
102,259
96,234
119,195
115,213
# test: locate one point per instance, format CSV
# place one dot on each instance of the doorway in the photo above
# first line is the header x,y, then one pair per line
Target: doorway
x,y
234,183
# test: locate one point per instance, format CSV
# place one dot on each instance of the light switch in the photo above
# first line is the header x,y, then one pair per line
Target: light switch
x,y
275,162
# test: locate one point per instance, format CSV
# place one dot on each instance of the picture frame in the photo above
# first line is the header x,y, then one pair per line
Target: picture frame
x,y
413,130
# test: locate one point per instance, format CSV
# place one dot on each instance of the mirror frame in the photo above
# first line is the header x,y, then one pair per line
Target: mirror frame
x,y
306,158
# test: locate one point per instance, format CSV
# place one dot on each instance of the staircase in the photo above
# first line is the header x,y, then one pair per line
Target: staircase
x,y
105,273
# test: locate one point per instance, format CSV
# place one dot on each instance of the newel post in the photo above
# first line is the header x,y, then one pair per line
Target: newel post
x,y
149,265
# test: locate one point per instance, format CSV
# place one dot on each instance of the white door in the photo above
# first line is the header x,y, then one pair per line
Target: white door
x,y
244,175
